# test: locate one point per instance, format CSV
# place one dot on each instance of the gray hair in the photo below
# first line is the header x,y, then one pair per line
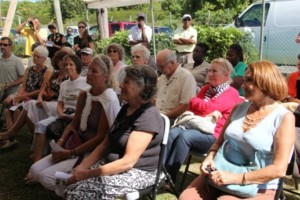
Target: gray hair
x,y
141,48
42,51
170,56
145,77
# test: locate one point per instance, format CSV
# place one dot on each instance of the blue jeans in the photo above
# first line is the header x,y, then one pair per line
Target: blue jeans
x,y
180,142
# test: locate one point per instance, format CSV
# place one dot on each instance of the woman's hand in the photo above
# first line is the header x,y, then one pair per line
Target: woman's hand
x,y
207,164
80,174
215,114
225,178
39,103
61,155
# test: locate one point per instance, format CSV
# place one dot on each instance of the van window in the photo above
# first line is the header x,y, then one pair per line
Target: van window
x,y
115,27
252,17
128,26
287,14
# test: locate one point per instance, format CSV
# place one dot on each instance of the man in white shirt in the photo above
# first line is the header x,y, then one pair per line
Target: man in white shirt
x,y
185,39
140,33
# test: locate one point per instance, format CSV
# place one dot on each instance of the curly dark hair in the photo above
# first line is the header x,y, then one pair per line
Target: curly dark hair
x,y
145,77
59,55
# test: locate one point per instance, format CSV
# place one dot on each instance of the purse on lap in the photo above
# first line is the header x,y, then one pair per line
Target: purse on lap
x,y
191,121
222,164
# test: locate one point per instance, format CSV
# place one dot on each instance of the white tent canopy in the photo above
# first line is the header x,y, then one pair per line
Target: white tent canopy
x,y
97,4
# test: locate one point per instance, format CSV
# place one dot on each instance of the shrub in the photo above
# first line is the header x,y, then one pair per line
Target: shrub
x,y
217,38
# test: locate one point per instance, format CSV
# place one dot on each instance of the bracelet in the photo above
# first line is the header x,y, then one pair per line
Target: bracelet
x,y
244,182
61,140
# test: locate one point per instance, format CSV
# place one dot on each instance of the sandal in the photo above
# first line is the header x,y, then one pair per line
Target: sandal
x,y
6,144
29,180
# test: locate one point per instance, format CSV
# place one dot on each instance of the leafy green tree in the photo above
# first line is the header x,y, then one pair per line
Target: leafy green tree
x,y
197,7
69,9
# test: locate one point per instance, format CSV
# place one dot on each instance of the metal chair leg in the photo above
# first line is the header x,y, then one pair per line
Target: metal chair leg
x,y
185,172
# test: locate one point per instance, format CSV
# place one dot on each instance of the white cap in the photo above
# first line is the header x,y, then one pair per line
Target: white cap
x,y
186,16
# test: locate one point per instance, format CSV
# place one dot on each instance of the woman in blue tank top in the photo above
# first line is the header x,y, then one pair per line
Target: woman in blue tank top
x,y
261,123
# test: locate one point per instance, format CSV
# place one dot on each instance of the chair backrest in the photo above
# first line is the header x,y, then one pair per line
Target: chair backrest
x,y
166,129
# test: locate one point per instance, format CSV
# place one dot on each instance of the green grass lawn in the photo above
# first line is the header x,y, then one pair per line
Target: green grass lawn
x,y
15,163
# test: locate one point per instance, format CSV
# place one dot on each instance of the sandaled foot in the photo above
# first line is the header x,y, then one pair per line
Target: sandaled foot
x,y
6,144
29,180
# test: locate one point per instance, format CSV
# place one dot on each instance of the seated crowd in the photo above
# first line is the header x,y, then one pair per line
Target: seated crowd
x,y
105,120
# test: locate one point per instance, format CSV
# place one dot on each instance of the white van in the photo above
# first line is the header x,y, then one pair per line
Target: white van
x,y
282,25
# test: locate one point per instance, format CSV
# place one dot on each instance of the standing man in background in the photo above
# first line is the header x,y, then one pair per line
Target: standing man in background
x,y
33,33
140,33
185,38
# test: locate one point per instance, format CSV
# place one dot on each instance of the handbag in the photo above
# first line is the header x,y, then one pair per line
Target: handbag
x,y
222,164
73,140
191,121
56,128
48,94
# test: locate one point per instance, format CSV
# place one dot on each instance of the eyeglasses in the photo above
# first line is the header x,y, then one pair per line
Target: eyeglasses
x,y
162,66
137,57
81,27
187,19
112,51
2,44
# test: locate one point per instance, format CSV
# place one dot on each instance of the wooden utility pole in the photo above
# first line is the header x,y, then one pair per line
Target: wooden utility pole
x,y
102,22
9,17
59,21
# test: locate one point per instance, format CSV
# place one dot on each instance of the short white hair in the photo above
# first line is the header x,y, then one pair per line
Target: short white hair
x,y
42,51
142,49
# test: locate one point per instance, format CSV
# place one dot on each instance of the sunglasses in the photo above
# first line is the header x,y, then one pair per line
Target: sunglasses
x,y
81,27
112,51
187,19
2,44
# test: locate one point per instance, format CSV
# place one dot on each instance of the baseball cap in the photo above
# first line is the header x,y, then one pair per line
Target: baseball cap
x,y
87,50
186,16
140,15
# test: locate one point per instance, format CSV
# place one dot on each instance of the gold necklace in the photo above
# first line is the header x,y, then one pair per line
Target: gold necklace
x,y
250,122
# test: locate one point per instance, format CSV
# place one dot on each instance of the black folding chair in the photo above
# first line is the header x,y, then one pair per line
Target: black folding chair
x,y
162,176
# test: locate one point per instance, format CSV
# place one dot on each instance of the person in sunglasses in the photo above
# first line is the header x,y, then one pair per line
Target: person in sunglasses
x,y
185,39
83,39
11,71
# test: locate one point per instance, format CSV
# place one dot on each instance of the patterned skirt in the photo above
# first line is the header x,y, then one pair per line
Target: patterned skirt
x,y
110,187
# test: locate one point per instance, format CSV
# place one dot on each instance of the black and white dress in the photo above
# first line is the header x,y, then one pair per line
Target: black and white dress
x,y
140,176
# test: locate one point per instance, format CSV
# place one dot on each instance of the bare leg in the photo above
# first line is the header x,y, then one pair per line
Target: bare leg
x,y
40,141
12,132
8,118
16,115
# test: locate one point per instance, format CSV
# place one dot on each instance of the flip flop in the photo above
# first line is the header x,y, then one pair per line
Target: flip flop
x,y
6,144
29,180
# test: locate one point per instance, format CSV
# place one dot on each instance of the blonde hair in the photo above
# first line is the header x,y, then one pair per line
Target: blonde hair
x,y
106,65
269,79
